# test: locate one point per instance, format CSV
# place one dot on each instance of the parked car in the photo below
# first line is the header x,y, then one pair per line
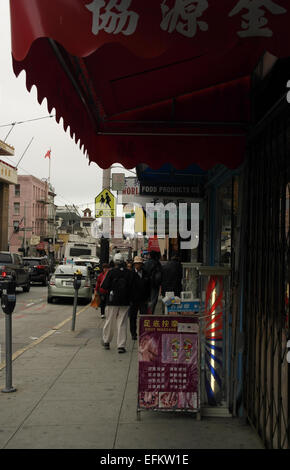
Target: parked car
x,y
12,264
61,283
38,268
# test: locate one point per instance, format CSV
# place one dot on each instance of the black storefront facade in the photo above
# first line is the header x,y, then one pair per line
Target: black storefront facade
x,y
262,279
244,225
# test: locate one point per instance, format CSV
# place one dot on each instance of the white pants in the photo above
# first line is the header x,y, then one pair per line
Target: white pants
x,y
121,315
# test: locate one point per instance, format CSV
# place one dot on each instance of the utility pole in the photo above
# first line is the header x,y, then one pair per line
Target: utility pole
x,y
135,253
53,208
24,234
52,215
105,244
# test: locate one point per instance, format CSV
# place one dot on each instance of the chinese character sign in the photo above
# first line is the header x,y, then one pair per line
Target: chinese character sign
x,y
152,28
113,17
184,17
254,19
168,363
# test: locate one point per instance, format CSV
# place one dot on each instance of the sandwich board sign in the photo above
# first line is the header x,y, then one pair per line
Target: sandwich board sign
x,y
105,204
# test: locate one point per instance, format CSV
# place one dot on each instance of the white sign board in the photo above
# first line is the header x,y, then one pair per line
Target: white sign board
x,y
118,181
131,193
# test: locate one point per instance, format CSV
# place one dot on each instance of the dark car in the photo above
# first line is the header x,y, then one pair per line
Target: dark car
x,y
39,269
11,264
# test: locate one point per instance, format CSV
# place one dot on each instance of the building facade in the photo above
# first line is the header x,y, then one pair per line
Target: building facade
x,y
8,176
29,202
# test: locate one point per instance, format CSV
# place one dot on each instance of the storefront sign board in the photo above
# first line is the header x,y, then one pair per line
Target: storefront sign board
x,y
168,189
168,363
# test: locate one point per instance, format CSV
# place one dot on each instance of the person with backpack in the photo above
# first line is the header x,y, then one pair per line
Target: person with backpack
x,y
118,282
102,292
140,295
153,269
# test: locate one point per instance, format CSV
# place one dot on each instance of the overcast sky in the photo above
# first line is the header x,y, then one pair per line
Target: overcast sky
x,y
75,182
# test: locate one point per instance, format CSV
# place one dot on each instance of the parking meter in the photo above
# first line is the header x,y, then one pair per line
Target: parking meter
x,y
8,298
8,301
77,285
77,279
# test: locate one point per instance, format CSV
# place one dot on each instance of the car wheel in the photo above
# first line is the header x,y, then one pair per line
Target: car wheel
x,y
49,300
26,288
45,282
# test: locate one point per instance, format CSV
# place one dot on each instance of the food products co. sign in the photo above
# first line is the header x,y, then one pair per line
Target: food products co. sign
x,y
170,190
134,189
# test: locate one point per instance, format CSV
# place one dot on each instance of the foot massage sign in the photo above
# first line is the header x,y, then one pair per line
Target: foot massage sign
x,y
168,363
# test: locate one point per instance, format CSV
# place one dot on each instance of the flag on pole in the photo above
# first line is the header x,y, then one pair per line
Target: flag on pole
x,y
47,154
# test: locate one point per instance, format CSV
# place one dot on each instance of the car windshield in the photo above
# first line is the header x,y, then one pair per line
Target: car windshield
x,y
33,262
69,269
79,251
83,263
5,258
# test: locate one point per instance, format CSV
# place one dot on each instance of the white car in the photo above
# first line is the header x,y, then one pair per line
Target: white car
x,y
61,283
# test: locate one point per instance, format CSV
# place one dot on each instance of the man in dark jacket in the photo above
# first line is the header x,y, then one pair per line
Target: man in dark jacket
x,y
118,283
172,277
140,294
153,269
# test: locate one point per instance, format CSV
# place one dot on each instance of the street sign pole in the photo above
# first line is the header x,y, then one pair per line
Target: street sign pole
x,y
105,246
74,310
8,345
24,235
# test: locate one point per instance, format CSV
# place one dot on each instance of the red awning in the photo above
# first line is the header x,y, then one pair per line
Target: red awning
x,y
149,82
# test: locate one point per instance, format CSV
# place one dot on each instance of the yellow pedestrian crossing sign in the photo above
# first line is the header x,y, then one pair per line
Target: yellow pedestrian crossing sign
x,y
105,204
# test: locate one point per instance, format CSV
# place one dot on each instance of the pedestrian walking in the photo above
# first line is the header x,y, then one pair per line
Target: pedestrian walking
x,y
140,294
172,277
102,292
153,269
118,283
130,265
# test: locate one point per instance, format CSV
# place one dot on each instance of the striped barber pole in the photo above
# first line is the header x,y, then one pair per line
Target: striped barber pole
x,y
213,333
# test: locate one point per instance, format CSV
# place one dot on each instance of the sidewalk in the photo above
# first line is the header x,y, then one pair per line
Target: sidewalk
x,y
73,394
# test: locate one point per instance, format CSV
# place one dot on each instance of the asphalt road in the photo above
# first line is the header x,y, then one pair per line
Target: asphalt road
x,y
33,317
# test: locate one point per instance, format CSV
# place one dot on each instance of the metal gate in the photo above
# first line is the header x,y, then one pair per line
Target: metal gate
x,y
265,258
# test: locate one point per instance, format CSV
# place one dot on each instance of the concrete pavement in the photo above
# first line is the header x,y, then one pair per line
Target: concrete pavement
x,y
73,394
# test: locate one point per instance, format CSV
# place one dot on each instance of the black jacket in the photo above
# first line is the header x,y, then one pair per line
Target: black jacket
x,y
118,282
153,269
172,278
141,287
